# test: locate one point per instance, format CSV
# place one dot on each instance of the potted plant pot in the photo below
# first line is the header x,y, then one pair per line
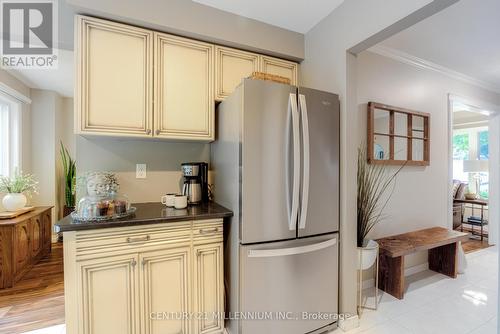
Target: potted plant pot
x,y
14,201
367,254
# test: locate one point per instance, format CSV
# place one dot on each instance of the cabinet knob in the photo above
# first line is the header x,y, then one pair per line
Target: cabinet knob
x,y
148,131
158,132
133,263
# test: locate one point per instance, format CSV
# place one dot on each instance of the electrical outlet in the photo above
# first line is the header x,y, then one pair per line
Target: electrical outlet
x,y
140,171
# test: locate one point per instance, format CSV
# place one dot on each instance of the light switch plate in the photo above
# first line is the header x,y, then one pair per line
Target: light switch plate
x,y
140,171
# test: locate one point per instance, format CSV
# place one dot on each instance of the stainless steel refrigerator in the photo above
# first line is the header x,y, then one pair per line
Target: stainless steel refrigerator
x,y
275,163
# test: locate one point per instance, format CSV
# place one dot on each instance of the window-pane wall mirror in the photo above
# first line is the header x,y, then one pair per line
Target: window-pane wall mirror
x,y
397,136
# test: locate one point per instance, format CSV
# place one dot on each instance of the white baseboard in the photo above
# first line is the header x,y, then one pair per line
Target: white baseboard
x,y
370,283
350,323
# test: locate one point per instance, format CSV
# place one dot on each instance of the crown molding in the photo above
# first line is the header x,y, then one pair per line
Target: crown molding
x,y
428,65
6,89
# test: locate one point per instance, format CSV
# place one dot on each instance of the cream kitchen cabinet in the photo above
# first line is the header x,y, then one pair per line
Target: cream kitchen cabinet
x,y
184,93
114,79
144,279
109,295
164,282
276,66
208,288
134,82
232,65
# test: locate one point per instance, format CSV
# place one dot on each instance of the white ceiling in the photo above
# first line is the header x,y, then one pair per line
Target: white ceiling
x,y
295,15
464,37
59,80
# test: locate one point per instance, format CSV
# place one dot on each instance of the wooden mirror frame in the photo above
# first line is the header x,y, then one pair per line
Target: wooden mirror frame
x,y
409,136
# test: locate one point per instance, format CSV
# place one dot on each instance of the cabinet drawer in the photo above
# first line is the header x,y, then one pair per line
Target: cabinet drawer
x,y
207,231
129,239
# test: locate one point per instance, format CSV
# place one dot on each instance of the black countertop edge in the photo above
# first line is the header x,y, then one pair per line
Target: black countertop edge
x,y
149,213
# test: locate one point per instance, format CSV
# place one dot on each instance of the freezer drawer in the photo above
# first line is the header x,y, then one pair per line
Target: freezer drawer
x,y
280,281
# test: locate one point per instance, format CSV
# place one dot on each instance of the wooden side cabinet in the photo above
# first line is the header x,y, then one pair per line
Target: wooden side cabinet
x,y
24,240
145,279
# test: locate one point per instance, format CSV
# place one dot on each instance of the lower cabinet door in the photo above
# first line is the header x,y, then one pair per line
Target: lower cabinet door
x,y
109,295
47,229
36,233
166,291
209,288
22,246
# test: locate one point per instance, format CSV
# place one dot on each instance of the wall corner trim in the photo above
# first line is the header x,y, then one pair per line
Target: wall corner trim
x,y
428,65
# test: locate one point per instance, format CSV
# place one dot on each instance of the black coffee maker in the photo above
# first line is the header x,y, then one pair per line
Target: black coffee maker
x,y
195,185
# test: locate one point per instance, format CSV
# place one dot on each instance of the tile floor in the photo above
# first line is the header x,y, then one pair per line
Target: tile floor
x,y
433,303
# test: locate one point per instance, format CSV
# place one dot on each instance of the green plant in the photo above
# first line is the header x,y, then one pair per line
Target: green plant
x,y
69,170
373,183
19,183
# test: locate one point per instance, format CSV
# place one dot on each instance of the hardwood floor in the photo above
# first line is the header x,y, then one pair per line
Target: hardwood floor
x,y
473,245
37,300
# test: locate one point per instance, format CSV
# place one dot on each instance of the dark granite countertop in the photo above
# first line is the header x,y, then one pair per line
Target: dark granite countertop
x,y
149,213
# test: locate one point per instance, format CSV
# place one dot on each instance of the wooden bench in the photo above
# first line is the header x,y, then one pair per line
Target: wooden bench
x,y
441,243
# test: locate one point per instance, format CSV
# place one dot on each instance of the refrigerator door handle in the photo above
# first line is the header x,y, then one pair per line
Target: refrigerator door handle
x,y
292,250
306,161
293,212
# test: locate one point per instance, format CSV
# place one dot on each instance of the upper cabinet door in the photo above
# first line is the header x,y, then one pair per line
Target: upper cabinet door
x,y
114,78
231,66
184,93
284,68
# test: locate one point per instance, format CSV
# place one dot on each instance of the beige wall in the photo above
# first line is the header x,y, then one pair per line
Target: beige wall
x,y
421,196
67,123
163,160
187,18
329,66
64,134
43,138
